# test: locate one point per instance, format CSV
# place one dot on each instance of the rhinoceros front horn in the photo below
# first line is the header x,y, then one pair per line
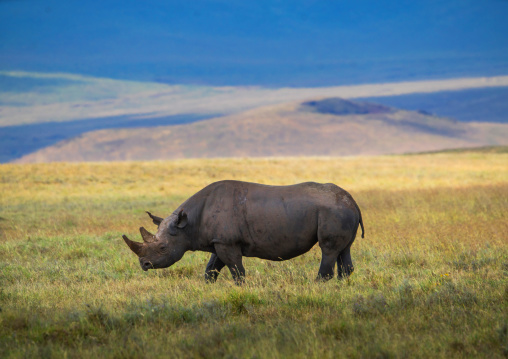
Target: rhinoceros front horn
x,y
134,246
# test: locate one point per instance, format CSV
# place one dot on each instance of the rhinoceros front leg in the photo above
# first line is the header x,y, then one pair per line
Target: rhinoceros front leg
x,y
231,255
213,268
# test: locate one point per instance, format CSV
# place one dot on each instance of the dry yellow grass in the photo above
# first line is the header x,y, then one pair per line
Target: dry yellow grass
x,y
182,177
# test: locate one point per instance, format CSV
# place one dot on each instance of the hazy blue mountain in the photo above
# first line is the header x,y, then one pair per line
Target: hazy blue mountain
x,y
270,43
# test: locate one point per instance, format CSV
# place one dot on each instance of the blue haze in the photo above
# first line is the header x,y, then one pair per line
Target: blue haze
x,y
268,43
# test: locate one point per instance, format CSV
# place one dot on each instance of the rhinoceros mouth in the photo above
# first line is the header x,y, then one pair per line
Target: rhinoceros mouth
x,y
146,265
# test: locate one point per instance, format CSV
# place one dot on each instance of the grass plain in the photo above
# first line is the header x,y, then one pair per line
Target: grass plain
x,y
430,280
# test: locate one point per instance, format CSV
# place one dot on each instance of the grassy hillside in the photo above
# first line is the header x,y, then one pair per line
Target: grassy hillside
x,y
430,277
482,149
329,127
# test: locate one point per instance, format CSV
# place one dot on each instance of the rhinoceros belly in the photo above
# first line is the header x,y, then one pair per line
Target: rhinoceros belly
x,y
277,232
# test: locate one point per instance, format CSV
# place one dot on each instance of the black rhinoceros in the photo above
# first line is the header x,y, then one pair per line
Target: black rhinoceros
x,y
233,219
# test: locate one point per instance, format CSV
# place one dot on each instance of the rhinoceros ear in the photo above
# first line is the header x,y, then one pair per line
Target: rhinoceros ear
x,y
182,219
156,220
179,222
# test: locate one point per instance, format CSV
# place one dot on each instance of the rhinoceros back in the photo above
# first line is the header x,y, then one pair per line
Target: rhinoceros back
x,y
274,222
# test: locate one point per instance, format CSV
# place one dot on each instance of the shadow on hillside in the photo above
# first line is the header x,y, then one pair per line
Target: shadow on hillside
x,y
17,141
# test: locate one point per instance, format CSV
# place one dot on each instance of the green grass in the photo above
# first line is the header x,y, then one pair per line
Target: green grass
x,y
431,276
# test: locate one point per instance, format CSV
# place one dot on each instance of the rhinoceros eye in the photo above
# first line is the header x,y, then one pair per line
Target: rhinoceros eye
x,y
162,247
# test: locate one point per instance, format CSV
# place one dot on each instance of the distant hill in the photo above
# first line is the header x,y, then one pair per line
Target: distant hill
x,y
323,127
45,108
338,106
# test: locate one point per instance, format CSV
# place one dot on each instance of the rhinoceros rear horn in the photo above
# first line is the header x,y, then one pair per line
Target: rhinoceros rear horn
x,y
147,236
134,246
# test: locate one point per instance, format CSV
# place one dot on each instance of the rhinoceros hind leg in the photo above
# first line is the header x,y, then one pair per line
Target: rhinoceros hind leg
x,y
213,268
328,260
344,264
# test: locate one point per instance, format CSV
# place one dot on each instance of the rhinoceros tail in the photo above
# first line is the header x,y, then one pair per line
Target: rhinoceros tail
x,y
361,220
361,223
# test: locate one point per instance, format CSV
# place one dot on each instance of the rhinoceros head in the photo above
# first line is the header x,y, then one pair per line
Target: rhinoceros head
x,y
164,248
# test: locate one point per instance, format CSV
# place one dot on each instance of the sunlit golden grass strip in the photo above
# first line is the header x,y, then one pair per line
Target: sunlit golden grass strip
x,y
430,278
135,179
